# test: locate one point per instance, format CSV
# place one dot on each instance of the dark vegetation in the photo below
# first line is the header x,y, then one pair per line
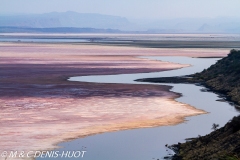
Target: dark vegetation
x,y
224,76
224,143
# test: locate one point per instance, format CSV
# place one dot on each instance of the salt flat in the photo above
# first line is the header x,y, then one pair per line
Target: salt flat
x,y
40,108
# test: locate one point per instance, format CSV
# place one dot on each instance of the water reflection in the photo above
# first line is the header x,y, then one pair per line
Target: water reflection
x,y
147,144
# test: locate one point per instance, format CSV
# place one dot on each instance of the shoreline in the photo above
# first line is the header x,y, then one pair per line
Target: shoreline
x,y
188,80
221,143
19,90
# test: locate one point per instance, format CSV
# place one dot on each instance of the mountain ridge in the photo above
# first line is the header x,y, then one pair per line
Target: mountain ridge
x,y
64,19
101,21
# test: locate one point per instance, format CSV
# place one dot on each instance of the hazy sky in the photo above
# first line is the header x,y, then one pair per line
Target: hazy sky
x,y
151,9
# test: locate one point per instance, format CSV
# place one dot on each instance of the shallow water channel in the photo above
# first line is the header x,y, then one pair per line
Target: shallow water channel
x,y
149,143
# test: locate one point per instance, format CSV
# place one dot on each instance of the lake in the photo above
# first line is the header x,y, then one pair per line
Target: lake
x,y
149,143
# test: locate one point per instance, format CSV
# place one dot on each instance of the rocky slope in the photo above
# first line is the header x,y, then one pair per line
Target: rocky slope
x,y
221,144
224,76
224,143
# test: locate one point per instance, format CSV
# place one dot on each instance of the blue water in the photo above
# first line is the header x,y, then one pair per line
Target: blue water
x,y
149,143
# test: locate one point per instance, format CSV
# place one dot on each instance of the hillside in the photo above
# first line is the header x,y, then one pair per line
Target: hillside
x,y
224,143
224,76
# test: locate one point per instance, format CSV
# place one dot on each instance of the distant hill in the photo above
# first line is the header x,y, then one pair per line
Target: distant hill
x,y
99,21
192,25
65,19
